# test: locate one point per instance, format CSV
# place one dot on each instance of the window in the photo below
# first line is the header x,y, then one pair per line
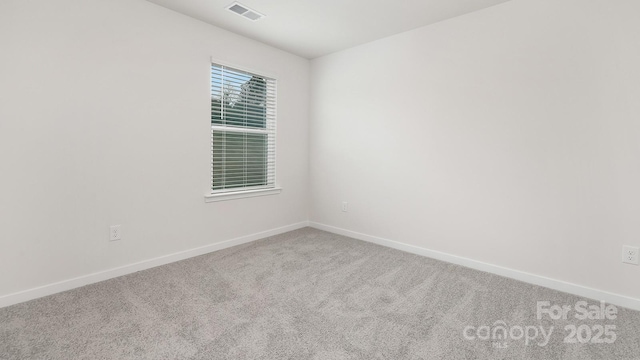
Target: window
x,y
243,131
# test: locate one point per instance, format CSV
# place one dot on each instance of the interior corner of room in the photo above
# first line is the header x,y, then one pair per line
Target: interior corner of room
x,y
504,140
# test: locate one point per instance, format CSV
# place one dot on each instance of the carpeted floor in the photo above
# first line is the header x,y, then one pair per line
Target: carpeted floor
x,y
309,294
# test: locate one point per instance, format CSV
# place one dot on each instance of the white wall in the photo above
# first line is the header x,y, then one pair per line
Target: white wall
x,y
104,119
509,136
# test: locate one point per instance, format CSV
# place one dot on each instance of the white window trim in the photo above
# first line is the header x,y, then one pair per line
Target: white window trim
x,y
216,196
232,195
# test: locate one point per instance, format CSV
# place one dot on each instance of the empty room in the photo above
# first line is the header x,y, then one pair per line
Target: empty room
x,y
322,180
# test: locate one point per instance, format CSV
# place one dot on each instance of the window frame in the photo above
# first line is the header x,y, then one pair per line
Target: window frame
x,y
251,191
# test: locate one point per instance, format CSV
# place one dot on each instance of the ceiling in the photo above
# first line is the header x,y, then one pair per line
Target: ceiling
x,y
313,28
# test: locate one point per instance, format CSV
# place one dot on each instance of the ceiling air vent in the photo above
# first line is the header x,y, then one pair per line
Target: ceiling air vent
x,y
244,11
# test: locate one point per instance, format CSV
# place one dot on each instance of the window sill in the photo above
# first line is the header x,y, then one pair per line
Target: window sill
x,y
240,194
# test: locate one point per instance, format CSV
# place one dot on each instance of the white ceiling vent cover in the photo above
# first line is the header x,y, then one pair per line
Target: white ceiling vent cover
x,y
244,11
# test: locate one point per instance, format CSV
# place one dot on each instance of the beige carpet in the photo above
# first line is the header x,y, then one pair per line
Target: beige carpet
x,y
308,294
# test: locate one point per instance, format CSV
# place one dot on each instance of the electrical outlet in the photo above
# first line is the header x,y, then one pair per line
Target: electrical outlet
x,y
345,206
115,233
630,255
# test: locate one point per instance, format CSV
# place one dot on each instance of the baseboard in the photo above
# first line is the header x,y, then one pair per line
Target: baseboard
x,y
69,284
30,294
583,291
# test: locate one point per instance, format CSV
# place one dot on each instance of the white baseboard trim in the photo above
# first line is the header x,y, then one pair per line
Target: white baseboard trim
x,y
583,291
38,292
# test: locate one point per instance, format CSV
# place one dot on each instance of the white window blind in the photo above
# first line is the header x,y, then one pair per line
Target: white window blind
x,y
243,130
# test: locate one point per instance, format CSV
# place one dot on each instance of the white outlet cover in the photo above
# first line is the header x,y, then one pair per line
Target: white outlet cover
x,y
630,255
115,233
